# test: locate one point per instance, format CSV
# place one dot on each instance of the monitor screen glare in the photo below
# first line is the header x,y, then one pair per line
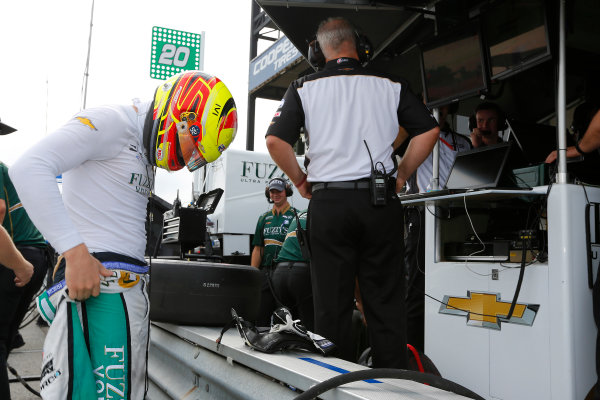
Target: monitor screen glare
x,y
478,168
453,69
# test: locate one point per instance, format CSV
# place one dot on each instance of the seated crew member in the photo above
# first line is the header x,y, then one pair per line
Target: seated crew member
x,y
291,276
489,119
450,143
271,228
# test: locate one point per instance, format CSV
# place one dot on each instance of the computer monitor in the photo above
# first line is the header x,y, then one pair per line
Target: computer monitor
x,y
533,141
516,37
208,201
478,168
453,67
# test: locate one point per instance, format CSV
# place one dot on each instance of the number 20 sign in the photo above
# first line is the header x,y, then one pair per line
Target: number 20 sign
x,y
175,51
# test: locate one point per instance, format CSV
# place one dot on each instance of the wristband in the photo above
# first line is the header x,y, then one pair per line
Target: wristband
x,y
583,153
301,182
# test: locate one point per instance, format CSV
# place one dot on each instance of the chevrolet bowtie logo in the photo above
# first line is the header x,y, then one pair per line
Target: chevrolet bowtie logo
x,y
486,310
87,122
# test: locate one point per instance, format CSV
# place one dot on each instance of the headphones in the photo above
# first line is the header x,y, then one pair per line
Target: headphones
x,y
316,58
286,184
502,125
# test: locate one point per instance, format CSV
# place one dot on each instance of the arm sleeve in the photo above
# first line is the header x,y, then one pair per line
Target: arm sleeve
x,y
291,228
413,115
288,118
34,174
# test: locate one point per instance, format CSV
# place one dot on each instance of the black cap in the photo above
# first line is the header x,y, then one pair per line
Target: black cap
x,y
5,129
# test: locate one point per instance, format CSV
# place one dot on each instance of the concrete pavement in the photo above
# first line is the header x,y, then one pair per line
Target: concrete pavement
x,y
27,361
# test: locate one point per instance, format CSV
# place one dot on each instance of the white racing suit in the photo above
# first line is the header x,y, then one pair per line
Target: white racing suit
x,y
96,349
104,339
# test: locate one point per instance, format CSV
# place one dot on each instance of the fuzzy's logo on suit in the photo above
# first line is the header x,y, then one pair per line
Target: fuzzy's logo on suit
x,y
49,375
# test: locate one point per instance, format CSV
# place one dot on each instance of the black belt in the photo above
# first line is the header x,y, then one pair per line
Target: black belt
x,y
30,247
285,264
347,185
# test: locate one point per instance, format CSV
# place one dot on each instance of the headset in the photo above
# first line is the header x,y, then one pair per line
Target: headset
x,y
502,125
286,184
316,58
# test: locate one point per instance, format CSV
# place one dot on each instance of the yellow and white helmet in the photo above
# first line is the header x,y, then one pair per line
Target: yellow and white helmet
x,y
194,119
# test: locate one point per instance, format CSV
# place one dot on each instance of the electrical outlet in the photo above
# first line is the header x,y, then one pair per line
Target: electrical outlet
x,y
494,274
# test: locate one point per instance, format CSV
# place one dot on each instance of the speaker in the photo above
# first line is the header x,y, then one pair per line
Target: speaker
x,y
286,184
202,293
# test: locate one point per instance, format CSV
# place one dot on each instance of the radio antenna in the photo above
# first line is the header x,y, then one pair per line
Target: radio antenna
x,y
86,72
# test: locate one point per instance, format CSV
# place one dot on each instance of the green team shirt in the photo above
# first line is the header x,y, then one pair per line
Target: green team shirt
x,y
271,229
290,251
16,221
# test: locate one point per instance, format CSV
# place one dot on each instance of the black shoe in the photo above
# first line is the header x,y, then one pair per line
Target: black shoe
x,y
17,341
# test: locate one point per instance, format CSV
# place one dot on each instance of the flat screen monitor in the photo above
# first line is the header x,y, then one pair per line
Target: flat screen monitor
x,y
478,168
535,141
453,67
208,201
516,36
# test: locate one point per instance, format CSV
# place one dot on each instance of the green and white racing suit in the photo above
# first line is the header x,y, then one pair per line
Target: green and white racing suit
x,y
96,349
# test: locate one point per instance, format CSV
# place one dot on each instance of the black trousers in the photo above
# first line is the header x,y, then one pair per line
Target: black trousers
x,y
267,302
596,308
414,259
351,238
292,287
15,303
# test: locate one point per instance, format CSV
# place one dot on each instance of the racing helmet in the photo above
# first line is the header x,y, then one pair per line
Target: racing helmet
x,y
194,119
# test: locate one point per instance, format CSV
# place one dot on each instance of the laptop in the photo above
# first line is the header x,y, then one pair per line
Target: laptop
x,y
476,169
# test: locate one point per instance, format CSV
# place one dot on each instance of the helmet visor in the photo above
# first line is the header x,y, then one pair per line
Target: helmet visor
x,y
189,135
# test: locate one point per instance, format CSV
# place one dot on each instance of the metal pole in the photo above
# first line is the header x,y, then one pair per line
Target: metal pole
x,y
561,176
252,98
251,122
435,173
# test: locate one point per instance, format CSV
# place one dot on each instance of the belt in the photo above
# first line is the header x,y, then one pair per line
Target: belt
x,y
285,264
347,185
30,247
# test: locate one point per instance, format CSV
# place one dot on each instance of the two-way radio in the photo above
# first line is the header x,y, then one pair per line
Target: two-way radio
x,y
377,182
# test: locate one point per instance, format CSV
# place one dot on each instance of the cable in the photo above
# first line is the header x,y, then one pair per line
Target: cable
x,y
378,373
476,235
438,216
521,273
421,221
22,380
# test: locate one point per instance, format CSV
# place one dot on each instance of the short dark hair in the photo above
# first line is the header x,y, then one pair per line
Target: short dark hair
x,y
488,105
501,117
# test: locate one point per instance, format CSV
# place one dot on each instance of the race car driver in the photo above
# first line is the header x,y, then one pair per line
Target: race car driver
x,y
97,344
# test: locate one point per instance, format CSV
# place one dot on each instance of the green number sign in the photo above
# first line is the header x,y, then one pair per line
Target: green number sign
x,y
174,51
